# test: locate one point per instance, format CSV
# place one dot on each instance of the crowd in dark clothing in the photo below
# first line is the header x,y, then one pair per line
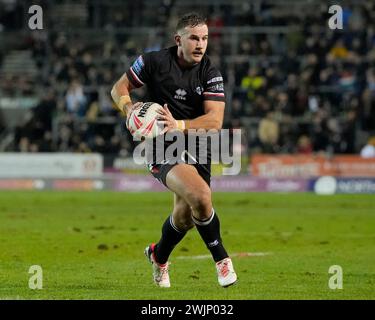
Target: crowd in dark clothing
x,y
307,90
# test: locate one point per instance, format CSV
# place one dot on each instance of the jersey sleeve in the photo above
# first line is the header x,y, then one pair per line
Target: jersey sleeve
x,y
140,71
214,86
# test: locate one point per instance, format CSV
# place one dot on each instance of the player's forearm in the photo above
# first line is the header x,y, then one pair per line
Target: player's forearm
x,y
206,122
120,95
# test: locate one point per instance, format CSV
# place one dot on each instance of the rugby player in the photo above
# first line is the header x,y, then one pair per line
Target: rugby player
x,y
191,90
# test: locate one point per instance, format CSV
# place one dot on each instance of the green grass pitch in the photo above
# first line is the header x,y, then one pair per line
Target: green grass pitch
x,y
90,246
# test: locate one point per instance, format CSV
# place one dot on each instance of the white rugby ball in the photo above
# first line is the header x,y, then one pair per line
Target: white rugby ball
x,y
143,121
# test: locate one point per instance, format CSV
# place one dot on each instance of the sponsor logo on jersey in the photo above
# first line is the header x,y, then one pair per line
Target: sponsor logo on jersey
x,y
138,65
136,71
216,79
180,94
216,87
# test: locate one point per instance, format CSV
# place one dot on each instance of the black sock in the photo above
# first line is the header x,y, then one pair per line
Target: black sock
x,y
170,236
210,232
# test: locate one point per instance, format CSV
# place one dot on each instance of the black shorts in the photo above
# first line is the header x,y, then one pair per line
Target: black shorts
x,y
160,168
160,171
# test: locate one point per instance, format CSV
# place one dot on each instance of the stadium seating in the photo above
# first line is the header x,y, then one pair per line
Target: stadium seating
x,y
315,85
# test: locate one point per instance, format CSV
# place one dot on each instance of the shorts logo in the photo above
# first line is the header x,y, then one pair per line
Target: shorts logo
x,y
180,94
199,90
153,169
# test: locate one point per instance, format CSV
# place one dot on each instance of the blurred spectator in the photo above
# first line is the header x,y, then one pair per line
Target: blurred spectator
x,y
237,111
23,145
99,145
252,82
215,22
319,132
349,132
246,47
45,109
268,133
261,106
114,145
304,145
368,98
282,103
368,151
76,101
46,144
339,50
11,15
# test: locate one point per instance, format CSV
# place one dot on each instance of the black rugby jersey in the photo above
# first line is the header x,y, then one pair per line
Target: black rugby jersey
x,y
184,90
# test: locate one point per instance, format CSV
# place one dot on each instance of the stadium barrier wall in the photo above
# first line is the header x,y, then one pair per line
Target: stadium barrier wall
x,y
328,185
140,183
308,166
44,165
85,172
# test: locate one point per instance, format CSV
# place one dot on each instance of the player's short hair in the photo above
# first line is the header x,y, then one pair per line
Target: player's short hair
x,y
191,19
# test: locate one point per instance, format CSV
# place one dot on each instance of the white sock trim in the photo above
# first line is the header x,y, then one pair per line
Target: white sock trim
x,y
206,222
173,225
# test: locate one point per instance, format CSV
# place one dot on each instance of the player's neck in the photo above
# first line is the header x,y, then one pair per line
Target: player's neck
x,y
182,62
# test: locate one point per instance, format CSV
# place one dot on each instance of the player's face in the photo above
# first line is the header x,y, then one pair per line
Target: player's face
x,y
193,43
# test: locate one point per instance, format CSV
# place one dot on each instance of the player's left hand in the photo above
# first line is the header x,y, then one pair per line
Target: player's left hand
x,y
165,117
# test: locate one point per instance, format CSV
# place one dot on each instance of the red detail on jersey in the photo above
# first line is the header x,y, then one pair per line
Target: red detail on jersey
x,y
214,94
136,79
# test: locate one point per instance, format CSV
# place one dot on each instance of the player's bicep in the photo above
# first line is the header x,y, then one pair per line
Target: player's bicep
x,y
215,109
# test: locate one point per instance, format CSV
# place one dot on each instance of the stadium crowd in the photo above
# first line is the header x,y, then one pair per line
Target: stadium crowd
x,y
307,90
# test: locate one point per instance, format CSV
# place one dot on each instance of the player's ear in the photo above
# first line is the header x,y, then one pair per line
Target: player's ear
x,y
177,39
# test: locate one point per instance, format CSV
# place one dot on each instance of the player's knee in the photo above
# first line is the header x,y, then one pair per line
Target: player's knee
x,y
182,218
201,203
184,223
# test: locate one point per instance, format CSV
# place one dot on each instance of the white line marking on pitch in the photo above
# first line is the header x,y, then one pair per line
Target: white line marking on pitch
x,y
239,254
